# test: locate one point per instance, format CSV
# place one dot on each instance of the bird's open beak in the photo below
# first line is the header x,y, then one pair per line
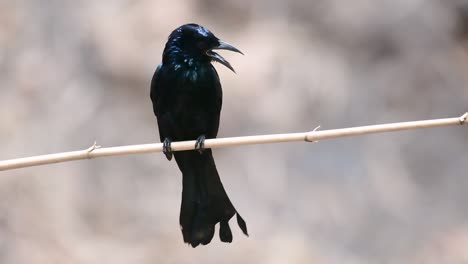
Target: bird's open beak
x,y
218,58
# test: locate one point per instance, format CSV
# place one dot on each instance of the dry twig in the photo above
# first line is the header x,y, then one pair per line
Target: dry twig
x,y
96,151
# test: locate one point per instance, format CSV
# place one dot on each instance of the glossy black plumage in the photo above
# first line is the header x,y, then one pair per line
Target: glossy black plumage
x,y
187,98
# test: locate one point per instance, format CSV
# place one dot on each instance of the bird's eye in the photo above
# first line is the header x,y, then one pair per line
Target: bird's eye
x,y
202,45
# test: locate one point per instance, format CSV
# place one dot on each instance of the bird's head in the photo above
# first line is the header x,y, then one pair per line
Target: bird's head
x,y
197,41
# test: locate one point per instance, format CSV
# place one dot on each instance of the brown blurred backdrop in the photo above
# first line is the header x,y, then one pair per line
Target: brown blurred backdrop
x,y
72,72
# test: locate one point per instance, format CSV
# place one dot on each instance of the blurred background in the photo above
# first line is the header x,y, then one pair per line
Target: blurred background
x,y
72,72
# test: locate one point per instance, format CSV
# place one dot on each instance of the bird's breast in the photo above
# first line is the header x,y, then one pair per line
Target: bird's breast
x,y
193,76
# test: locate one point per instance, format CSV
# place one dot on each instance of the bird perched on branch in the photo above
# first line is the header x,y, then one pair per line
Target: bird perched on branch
x,y
187,97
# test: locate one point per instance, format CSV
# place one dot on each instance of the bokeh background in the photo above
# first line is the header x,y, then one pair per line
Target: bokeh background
x,y
72,72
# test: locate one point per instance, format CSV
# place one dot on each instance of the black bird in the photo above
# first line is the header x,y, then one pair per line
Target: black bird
x,y
187,97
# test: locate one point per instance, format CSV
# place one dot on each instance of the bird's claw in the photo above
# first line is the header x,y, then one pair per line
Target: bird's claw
x,y
167,150
200,144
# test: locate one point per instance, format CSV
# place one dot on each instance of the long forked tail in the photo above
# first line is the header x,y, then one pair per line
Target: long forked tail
x,y
204,200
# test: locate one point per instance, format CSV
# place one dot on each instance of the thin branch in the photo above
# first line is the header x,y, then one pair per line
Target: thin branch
x,y
96,151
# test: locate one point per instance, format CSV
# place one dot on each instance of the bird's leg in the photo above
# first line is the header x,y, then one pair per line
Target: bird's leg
x,y
200,144
167,150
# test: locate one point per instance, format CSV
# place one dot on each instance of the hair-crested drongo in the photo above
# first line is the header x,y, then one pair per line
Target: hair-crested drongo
x,y
187,97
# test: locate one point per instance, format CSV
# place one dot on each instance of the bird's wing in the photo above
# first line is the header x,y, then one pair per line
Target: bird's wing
x,y
156,91
157,96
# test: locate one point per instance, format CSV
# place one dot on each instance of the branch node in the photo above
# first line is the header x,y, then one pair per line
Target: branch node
x,y
91,149
306,138
463,118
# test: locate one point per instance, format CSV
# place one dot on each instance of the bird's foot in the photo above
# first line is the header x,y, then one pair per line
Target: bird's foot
x,y
200,144
167,150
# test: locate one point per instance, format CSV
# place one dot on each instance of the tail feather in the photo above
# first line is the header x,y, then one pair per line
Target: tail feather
x,y
225,233
204,200
242,224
